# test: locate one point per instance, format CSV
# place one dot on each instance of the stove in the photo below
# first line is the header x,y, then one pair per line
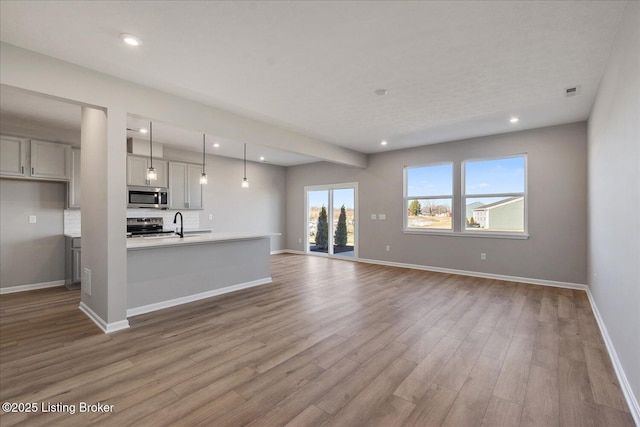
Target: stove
x,y
146,227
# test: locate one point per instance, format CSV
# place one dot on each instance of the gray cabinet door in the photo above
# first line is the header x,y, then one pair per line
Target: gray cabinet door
x,y
74,184
50,160
12,156
137,172
194,186
77,265
178,192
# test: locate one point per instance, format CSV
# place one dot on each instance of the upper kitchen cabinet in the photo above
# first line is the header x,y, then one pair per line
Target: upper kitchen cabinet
x,y
50,160
137,172
185,190
73,190
12,156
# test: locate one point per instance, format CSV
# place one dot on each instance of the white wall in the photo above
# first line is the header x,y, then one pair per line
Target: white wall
x,y
557,199
614,197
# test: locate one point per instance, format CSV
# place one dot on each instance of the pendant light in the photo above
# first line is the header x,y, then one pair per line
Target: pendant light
x,y
152,175
245,181
203,177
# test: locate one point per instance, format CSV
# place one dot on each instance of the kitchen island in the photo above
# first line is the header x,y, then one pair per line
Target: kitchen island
x,y
163,272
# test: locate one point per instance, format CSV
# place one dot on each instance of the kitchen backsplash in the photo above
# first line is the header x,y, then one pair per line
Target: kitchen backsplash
x,y
72,218
72,221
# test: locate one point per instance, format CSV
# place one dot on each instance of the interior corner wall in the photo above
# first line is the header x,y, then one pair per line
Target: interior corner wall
x,y
614,197
557,206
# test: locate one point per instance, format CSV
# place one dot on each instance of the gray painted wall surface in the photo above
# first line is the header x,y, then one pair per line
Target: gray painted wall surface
x,y
31,253
259,208
157,275
557,185
614,196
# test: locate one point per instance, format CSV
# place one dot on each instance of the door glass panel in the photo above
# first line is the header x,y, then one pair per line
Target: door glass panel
x,y
318,219
343,222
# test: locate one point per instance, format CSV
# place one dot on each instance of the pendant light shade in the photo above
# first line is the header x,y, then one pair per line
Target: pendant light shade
x,y
203,177
152,175
245,181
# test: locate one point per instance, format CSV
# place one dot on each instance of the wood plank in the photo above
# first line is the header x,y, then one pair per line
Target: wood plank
x,y
433,407
502,413
471,404
419,380
541,405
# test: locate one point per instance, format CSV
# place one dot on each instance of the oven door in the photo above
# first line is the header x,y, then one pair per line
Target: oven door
x,y
147,197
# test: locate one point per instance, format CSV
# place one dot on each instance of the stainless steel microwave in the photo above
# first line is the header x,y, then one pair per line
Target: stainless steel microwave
x,y
147,197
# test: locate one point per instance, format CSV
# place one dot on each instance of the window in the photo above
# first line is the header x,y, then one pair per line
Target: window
x,y
494,195
428,197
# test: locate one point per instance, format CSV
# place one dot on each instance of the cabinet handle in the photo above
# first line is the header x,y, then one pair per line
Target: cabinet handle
x,y
22,168
186,205
33,171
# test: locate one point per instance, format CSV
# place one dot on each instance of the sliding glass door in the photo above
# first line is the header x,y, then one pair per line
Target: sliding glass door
x,y
331,220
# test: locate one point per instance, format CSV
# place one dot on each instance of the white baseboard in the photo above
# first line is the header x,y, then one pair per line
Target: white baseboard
x,y
32,287
294,251
184,300
617,366
278,252
480,274
107,328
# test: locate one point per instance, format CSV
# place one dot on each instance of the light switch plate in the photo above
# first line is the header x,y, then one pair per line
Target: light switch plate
x,y
373,216
32,219
382,216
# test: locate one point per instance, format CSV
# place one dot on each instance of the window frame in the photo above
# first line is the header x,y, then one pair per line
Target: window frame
x,y
464,196
406,198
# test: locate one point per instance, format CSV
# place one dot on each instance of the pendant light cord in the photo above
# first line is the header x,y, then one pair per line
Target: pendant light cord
x,y
245,161
151,143
203,153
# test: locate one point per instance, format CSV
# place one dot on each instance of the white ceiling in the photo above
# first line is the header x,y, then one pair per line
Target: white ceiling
x,y
452,69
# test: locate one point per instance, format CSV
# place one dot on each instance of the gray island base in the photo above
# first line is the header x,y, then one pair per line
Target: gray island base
x,y
166,272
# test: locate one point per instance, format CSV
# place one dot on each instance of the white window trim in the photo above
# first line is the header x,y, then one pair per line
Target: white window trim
x,y
461,223
463,198
406,198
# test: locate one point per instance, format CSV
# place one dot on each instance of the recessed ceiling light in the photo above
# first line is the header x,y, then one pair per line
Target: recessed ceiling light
x,y
383,143
130,39
514,120
216,145
262,158
143,130
380,92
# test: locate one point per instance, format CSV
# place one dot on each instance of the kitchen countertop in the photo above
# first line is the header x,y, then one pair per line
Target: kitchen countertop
x,y
72,235
192,239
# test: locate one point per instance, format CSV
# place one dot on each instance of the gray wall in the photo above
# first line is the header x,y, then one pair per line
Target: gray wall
x,y
259,208
614,196
557,185
31,253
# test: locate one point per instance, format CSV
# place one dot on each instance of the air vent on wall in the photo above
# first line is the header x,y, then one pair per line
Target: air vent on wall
x,y
572,91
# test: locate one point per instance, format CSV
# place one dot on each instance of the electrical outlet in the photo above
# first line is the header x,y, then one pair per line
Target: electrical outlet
x,y
382,216
483,256
32,219
388,248
373,216
210,217
300,240
86,281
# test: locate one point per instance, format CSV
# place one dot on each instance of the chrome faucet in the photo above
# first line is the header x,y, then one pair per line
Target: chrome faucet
x,y
175,218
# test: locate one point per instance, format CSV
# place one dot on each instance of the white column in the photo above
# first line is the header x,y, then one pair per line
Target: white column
x,y
103,186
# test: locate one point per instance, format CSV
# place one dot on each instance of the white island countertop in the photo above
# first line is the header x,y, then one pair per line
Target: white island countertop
x,y
192,239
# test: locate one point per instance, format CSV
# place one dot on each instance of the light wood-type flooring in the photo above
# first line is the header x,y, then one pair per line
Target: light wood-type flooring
x,y
329,342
